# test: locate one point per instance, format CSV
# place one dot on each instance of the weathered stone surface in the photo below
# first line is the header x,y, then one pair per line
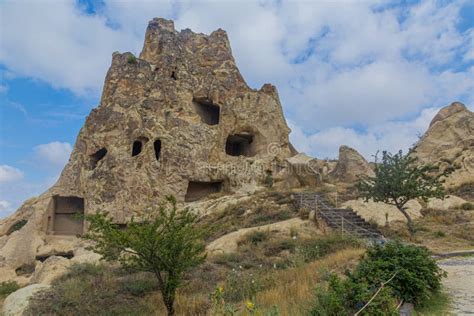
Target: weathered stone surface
x,y
449,143
47,271
16,303
180,120
377,211
350,166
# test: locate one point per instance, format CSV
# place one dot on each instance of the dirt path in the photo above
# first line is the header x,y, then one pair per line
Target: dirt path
x,y
460,283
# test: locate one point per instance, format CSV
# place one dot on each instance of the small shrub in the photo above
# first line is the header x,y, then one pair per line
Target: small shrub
x,y
262,219
6,288
254,237
17,226
418,276
439,234
275,247
345,297
132,59
268,181
467,206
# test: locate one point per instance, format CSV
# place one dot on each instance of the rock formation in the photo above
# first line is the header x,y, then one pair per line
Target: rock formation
x,y
350,166
449,143
179,120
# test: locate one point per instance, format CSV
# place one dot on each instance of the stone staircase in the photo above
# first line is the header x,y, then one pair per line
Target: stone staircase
x,y
340,219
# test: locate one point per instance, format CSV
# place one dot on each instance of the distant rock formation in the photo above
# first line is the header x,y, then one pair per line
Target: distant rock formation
x,y
180,120
350,166
449,143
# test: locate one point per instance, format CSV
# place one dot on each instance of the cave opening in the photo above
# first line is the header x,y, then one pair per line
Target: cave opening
x,y
200,189
240,145
157,147
207,111
68,218
96,157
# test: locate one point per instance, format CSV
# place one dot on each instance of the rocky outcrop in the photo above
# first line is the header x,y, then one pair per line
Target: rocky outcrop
x,y
180,120
16,304
350,166
449,144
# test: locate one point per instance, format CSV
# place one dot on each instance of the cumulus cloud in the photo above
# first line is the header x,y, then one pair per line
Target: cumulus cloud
x,y
60,45
10,174
4,206
53,155
391,136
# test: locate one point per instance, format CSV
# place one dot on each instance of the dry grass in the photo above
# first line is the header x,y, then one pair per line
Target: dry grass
x,y
293,291
438,230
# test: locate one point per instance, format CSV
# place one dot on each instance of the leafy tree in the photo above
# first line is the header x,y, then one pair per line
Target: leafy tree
x,y
165,241
399,179
417,277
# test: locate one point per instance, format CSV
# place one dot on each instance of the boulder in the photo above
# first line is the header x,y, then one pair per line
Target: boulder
x,y
16,304
350,166
49,270
451,202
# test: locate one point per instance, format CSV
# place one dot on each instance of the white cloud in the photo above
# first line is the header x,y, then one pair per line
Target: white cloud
x,y
3,88
54,154
390,136
10,174
4,206
59,45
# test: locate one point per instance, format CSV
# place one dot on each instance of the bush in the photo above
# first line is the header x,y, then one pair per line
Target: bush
x,y
6,288
439,234
89,289
255,237
17,226
346,297
467,206
418,276
132,59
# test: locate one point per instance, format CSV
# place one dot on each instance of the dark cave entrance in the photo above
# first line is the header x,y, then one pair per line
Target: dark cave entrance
x,y
208,111
200,189
96,157
157,148
68,213
240,145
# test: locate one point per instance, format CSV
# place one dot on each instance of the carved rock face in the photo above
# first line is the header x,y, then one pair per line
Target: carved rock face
x,y
179,120
180,113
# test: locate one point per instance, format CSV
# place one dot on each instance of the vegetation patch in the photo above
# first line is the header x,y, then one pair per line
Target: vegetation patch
x,y
385,276
467,206
89,289
6,288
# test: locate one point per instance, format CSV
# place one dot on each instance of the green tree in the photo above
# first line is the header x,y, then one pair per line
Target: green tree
x,y
399,179
164,241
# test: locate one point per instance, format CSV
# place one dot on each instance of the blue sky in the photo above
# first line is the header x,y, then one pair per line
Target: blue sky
x,y
369,74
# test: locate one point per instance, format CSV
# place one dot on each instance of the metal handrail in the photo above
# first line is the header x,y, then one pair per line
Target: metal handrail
x,y
325,207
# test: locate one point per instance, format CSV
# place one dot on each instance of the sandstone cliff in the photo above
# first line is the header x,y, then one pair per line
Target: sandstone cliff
x,y
179,120
449,143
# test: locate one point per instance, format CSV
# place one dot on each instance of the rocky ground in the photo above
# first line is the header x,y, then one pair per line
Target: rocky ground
x,y
460,283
